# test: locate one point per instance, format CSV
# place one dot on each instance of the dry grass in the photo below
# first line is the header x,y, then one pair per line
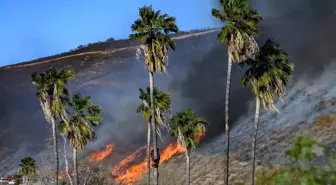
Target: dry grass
x,y
209,169
204,170
104,52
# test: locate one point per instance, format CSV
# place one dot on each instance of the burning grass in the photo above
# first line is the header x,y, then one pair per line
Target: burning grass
x,y
209,169
134,172
98,156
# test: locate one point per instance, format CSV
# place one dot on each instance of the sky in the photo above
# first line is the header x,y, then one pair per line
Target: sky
x,y
32,29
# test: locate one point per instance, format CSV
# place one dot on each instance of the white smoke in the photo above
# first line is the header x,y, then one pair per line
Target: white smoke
x,y
305,100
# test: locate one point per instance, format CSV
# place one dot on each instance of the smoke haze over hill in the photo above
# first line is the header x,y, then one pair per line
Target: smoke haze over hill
x,y
196,79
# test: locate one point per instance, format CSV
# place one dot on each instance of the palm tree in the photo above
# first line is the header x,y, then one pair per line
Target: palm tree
x,y
242,25
51,85
162,105
152,31
186,127
27,167
66,159
77,127
268,74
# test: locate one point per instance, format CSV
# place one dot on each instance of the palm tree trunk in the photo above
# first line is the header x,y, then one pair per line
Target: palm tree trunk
x,y
66,161
156,158
188,167
76,182
55,143
254,142
227,102
148,152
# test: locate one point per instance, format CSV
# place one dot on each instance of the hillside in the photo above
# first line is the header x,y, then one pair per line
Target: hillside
x,y
99,68
109,73
208,169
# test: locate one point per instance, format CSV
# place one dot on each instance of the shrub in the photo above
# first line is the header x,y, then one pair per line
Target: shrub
x,y
300,168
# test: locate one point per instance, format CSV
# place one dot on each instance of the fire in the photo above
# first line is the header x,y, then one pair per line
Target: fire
x,y
63,174
133,173
98,156
128,175
124,162
199,135
170,151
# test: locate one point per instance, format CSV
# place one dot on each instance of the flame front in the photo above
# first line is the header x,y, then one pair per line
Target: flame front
x,y
170,151
98,156
124,162
134,172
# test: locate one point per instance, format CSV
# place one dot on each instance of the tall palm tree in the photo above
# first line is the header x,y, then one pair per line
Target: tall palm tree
x,y
267,74
66,158
27,168
186,128
162,105
242,25
83,115
51,85
152,29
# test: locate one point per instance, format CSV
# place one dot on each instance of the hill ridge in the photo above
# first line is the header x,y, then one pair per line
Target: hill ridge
x,y
107,51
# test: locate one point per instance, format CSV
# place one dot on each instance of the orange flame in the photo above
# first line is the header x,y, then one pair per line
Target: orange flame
x,y
124,162
133,173
170,151
98,156
63,174
199,135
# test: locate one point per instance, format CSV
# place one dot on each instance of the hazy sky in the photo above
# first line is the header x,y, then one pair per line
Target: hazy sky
x,y
35,28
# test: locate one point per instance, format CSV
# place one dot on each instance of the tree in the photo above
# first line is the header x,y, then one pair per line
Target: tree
x,y
66,159
242,25
267,74
186,128
82,114
162,105
301,164
152,31
51,86
27,168
307,162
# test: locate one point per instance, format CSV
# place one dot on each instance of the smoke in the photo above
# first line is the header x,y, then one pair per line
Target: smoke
x,y
123,125
306,35
303,103
196,78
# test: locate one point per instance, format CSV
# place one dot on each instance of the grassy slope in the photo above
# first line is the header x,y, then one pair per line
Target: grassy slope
x,y
209,169
99,48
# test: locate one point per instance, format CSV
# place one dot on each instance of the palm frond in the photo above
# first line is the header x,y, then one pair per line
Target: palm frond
x,y
241,28
82,116
269,74
152,29
162,103
186,125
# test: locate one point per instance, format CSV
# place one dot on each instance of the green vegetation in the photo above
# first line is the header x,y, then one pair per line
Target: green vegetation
x,y
300,168
81,115
238,34
162,105
27,168
187,127
51,88
267,74
151,30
